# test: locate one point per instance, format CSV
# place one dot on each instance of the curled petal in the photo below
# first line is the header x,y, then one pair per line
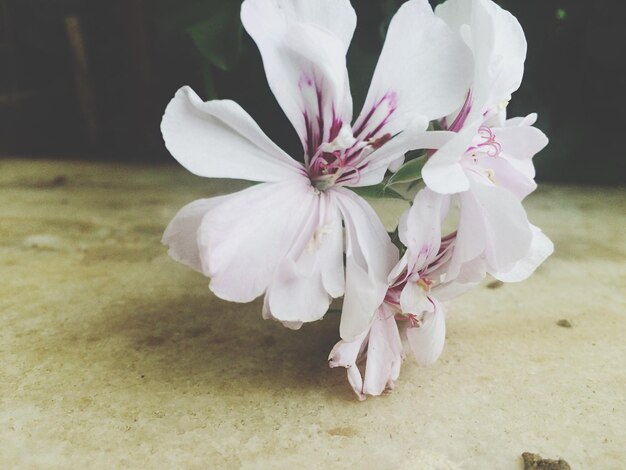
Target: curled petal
x,y
346,354
381,347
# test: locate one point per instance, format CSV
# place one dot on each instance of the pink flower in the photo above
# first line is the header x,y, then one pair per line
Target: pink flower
x,y
283,238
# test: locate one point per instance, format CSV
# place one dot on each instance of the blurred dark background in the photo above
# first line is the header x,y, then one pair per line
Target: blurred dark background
x,y
89,79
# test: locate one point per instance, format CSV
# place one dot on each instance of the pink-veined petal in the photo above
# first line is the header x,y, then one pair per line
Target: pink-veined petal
x,y
218,139
370,256
375,164
427,340
245,238
303,44
424,70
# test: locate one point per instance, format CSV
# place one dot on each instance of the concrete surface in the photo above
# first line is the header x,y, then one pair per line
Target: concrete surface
x,y
114,356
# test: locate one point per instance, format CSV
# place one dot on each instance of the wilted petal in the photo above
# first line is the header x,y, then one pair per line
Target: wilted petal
x,y
218,139
346,354
370,256
427,340
381,346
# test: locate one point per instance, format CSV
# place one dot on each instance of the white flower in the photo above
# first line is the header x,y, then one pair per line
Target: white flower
x,y
284,237
483,161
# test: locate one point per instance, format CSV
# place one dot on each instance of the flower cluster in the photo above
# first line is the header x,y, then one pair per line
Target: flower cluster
x,y
434,120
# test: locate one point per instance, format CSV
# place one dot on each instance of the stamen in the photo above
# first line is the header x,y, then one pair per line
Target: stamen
x,y
425,283
414,322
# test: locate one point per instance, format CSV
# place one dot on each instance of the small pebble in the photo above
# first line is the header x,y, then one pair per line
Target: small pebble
x,y
536,462
495,284
564,323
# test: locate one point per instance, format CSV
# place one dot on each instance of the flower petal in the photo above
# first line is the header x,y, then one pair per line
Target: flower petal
x,y
492,222
443,171
424,70
384,353
303,44
520,143
420,228
427,340
414,300
540,250
306,283
374,165
370,256
470,275
244,239
498,45
218,139
181,234
346,354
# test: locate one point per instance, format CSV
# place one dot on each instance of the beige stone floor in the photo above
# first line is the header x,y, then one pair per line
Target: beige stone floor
x,y
114,356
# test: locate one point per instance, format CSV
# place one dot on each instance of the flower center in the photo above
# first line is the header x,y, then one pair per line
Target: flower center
x,y
486,145
479,155
335,162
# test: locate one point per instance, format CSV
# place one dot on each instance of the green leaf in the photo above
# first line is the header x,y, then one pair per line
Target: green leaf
x,y
379,191
409,172
209,82
218,37
174,16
